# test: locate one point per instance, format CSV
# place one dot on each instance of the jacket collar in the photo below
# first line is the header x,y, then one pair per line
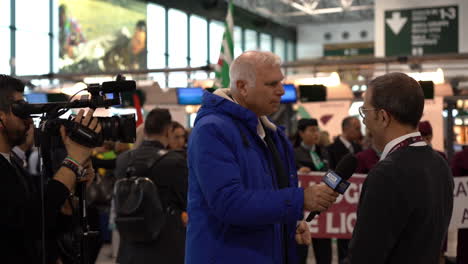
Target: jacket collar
x,y
221,101
397,140
346,143
308,148
152,143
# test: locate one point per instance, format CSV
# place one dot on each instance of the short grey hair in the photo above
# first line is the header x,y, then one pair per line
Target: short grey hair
x,y
244,66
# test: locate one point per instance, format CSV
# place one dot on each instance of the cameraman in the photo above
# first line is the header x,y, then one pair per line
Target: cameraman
x,y
21,220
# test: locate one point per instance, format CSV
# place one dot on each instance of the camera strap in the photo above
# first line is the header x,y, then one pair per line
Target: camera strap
x,y
83,135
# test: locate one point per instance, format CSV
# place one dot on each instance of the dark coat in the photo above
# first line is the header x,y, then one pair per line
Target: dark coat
x,y
337,150
21,214
404,210
170,176
303,158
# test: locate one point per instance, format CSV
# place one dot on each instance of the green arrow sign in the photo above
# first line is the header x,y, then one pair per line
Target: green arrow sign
x,y
421,31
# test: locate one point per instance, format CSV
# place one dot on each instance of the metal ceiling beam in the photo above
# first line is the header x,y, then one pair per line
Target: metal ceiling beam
x,y
69,76
298,6
323,62
304,11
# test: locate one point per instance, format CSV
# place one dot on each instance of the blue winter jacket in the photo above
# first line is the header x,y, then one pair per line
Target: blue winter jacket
x,y
236,211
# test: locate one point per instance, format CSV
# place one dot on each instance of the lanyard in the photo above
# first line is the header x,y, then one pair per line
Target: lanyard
x,y
316,160
406,142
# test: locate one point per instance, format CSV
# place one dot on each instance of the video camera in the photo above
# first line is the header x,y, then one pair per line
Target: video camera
x,y
114,128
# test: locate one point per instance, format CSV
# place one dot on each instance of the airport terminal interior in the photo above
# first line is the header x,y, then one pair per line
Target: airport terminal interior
x,y
127,57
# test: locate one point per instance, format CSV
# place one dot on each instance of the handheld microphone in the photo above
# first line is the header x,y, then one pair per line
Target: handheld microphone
x,y
337,180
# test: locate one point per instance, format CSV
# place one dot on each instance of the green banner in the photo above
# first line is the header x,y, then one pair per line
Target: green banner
x,y
421,31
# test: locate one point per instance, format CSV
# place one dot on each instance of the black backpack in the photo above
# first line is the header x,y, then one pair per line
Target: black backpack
x,y
140,215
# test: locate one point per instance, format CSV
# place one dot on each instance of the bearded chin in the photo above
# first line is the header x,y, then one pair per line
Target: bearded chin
x,y
16,139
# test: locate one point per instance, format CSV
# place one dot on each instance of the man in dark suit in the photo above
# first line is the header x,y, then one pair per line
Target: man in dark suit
x,y
344,144
22,212
407,198
170,175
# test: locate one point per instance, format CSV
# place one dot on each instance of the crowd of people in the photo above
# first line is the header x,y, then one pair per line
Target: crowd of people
x,y
230,190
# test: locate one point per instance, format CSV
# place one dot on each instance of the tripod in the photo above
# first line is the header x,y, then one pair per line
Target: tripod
x,y
73,244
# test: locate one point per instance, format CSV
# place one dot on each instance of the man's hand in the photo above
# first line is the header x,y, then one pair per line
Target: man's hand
x,y
304,170
303,236
76,151
319,197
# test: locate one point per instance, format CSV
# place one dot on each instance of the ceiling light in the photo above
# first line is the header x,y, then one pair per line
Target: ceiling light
x,y
346,3
332,80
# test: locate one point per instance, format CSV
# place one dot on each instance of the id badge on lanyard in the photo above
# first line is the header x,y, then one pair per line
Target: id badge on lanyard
x,y
406,142
316,160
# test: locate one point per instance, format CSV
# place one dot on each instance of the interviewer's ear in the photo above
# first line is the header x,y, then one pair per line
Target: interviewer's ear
x,y
386,117
242,87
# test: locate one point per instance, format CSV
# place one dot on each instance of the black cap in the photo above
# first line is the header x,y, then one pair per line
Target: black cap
x,y
305,122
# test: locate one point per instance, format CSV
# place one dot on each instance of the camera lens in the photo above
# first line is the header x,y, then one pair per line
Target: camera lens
x,y
119,128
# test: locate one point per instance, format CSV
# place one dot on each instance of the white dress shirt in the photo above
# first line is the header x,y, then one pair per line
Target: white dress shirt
x,y
7,156
397,140
347,144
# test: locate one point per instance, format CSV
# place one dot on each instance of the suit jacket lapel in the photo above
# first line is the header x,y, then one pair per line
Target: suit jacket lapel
x,y
16,173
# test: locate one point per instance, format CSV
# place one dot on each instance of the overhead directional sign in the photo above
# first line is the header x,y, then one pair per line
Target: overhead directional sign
x,y
396,22
421,31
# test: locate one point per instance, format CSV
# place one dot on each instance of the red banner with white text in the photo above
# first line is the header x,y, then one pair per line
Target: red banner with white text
x,y
339,220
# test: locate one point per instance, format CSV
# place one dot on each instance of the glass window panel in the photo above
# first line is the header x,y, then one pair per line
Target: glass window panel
x,y
216,37
5,13
237,41
265,42
4,51
199,75
198,41
157,61
55,45
29,61
291,51
177,79
159,77
250,40
280,48
177,38
32,15
156,24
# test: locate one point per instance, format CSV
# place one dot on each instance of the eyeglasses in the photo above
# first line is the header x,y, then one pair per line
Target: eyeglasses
x,y
362,110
